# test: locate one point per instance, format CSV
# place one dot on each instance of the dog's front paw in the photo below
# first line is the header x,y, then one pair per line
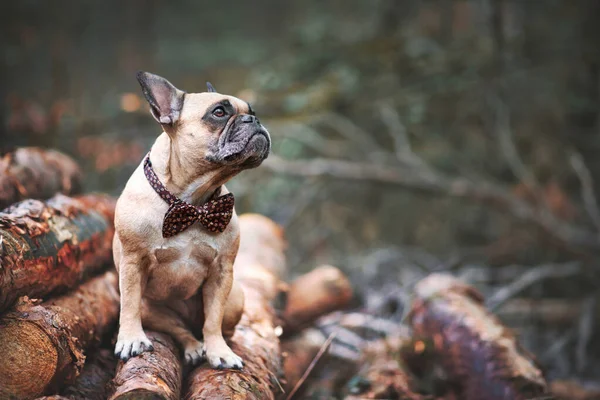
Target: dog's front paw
x,y
221,357
132,346
194,353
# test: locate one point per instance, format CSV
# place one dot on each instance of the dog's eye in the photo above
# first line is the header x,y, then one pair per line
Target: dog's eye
x,y
219,112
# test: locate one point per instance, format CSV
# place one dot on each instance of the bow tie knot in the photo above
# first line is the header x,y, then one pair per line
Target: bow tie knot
x,y
214,215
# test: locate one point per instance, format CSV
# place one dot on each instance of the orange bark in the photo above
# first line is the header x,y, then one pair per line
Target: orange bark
x,y
152,375
312,295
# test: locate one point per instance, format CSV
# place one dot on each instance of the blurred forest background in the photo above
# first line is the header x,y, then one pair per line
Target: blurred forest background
x,y
408,136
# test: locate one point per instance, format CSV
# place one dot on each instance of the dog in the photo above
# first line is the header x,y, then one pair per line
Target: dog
x,y
177,234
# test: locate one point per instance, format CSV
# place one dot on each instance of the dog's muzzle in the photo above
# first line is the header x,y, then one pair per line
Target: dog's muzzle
x,y
246,142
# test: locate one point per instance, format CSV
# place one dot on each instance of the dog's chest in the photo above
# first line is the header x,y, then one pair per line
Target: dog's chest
x,y
180,265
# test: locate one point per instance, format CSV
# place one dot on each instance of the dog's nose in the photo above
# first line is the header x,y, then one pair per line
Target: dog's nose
x,y
248,118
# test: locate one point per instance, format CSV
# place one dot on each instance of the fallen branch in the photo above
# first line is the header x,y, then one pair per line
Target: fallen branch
x,y
255,338
532,276
478,354
557,312
366,325
152,375
53,246
43,345
437,183
31,172
312,295
587,187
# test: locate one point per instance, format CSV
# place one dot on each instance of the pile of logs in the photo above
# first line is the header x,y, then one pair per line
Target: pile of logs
x,y
59,305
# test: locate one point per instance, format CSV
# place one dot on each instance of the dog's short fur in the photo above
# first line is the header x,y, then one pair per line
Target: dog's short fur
x,y
183,285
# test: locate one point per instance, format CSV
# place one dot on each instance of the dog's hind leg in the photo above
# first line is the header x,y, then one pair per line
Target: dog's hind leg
x,y
164,319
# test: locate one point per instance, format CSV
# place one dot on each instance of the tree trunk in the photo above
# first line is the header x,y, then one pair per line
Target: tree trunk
x,y
255,338
53,246
92,384
43,345
312,295
152,375
30,172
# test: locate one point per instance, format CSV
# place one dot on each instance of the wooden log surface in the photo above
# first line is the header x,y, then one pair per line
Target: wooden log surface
x,y
35,173
47,247
478,354
383,374
151,375
93,382
42,345
314,294
262,242
255,338
298,352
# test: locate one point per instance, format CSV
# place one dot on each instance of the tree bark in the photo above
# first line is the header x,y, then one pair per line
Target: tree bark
x,y
383,374
47,247
92,384
312,295
152,375
31,172
43,345
477,353
255,338
262,242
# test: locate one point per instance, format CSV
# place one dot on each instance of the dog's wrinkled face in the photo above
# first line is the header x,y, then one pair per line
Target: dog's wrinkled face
x,y
209,130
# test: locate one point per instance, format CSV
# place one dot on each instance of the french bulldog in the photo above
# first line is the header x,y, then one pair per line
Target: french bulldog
x,y
177,234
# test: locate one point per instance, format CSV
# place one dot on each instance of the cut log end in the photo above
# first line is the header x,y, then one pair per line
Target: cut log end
x,y
25,372
45,343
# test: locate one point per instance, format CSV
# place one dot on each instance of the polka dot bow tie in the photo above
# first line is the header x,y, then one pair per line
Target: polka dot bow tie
x,y
214,215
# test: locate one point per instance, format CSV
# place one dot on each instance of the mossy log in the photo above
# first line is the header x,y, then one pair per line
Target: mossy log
x,y
48,247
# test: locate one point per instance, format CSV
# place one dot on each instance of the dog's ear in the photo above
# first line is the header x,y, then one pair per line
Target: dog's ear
x,y
210,88
166,101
